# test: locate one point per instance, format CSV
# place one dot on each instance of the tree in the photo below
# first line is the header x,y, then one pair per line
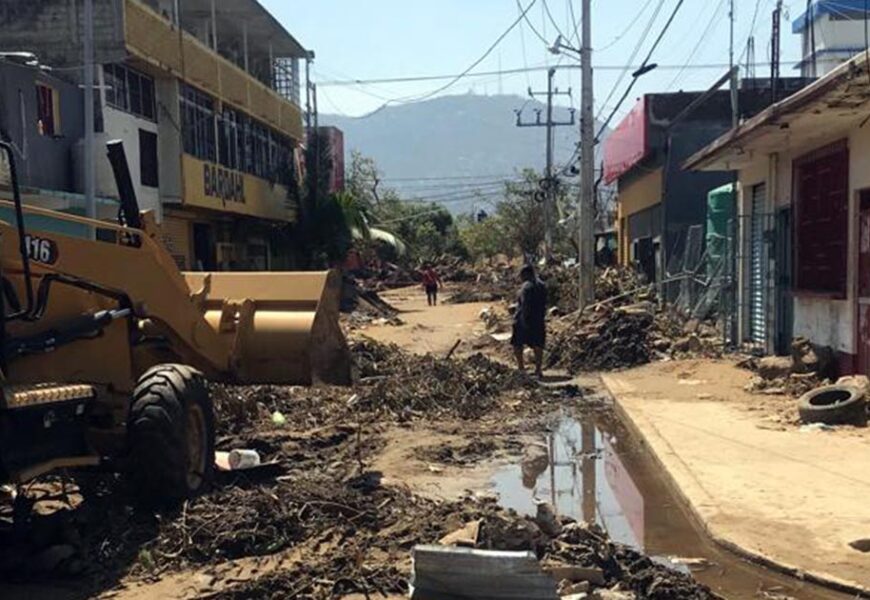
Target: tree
x,y
321,234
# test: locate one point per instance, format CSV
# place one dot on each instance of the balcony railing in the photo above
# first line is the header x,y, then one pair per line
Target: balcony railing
x,y
153,38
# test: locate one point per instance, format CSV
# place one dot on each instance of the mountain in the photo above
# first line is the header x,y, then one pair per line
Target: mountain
x,y
445,148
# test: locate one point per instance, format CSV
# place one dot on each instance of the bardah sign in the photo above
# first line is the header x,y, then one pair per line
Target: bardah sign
x,y
222,183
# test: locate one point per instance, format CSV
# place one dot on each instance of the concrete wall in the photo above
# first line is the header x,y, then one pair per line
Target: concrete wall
x,y
53,30
825,321
42,161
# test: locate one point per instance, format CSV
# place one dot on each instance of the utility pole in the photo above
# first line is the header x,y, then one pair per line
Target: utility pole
x,y
549,182
586,213
735,112
775,52
88,83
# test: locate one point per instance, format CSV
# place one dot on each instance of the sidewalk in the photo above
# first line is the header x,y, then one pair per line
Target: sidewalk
x,y
789,498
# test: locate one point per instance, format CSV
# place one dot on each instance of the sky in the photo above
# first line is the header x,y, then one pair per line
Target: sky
x,y
385,39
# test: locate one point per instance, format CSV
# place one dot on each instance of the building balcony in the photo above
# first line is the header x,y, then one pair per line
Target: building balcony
x,y
152,37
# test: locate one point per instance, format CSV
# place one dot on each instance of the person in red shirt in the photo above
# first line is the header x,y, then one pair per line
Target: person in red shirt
x,y
431,283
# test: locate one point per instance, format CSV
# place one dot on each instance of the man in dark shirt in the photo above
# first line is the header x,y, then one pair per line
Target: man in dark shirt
x,y
529,319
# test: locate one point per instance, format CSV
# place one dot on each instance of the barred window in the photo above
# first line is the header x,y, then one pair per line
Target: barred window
x,y
130,90
198,123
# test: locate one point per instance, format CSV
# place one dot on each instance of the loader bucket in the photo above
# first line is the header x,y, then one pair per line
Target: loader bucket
x,y
284,326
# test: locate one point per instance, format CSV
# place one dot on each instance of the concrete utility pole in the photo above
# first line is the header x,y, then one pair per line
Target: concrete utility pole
x,y
88,83
734,108
549,182
775,52
586,227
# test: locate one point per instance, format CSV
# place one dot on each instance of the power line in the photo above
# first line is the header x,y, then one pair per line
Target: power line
x,y
643,66
703,38
529,23
519,70
634,53
553,21
627,29
458,77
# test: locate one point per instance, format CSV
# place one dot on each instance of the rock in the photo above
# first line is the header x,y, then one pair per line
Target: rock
x,y
568,588
862,382
546,519
661,344
535,461
774,367
695,344
572,573
466,536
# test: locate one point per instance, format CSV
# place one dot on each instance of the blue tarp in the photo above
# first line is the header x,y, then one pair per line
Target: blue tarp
x,y
853,9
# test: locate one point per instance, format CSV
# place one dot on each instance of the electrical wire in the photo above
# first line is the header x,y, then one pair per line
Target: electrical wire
x,y
461,75
531,26
634,54
630,26
703,38
652,50
553,21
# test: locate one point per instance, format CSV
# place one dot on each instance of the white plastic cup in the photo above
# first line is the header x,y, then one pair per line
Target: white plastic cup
x,y
243,459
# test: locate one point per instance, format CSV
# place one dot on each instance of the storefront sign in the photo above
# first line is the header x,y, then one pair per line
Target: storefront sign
x,y
213,187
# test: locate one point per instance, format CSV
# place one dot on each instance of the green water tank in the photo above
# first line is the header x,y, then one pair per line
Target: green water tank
x,y
720,211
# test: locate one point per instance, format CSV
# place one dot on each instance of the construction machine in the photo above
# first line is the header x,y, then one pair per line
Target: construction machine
x,y
106,346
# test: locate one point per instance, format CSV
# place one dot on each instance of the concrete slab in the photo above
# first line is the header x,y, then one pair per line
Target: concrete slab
x,y
786,497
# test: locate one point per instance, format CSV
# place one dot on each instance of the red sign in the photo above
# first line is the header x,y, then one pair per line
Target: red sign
x,y
336,146
627,145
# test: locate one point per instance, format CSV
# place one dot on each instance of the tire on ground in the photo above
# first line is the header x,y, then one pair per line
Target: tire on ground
x,y
168,398
834,405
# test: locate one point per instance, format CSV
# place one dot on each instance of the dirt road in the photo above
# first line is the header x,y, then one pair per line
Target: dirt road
x,y
429,328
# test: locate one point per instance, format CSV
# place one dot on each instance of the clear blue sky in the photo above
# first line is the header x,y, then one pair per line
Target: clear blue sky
x,y
368,39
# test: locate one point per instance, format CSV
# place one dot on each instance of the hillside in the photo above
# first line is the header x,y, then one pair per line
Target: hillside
x,y
473,138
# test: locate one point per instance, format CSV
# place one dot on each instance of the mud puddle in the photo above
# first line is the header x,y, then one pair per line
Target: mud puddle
x,y
592,471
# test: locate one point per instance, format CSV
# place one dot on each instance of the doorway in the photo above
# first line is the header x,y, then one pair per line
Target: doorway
x,y
204,253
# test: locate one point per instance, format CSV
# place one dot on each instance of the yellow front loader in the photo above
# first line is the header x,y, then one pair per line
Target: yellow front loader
x,y
105,346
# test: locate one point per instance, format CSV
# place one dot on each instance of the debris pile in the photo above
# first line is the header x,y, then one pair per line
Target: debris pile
x,y
362,306
376,526
407,385
807,368
609,338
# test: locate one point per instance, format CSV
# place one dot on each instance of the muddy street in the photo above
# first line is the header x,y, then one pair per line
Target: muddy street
x,y
352,479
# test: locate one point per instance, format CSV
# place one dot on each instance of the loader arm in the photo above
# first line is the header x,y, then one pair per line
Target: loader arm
x,y
236,327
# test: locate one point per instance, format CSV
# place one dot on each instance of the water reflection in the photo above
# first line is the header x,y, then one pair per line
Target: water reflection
x,y
578,471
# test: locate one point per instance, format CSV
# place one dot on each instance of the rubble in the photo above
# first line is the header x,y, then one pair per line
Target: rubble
x,y
806,369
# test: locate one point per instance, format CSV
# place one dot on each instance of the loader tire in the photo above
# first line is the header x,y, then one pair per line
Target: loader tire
x,y
834,405
171,435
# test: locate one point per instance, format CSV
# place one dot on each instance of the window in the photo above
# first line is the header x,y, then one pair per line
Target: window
x,y
47,110
129,90
198,123
148,170
229,142
821,181
231,138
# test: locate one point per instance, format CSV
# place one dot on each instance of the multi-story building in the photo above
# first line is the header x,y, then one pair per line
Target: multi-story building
x,y
205,96
832,32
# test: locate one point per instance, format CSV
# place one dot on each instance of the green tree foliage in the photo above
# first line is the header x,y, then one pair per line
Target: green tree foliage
x,y
322,235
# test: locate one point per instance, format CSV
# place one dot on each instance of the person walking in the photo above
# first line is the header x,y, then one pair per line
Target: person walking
x,y
530,328
431,283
